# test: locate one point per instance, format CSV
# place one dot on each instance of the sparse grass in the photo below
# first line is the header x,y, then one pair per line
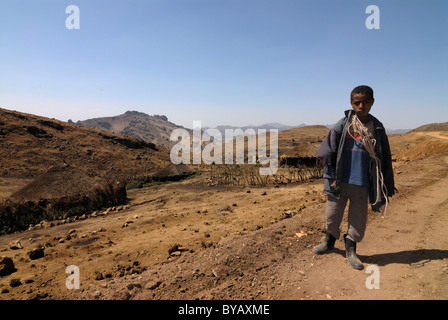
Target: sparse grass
x,y
196,174
248,175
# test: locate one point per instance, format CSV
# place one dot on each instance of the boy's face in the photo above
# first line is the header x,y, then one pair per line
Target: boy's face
x,y
362,104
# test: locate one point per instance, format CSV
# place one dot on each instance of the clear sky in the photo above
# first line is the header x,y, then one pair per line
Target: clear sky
x,y
235,62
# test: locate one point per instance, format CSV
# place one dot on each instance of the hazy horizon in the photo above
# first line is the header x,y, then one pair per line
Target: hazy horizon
x,y
224,62
205,126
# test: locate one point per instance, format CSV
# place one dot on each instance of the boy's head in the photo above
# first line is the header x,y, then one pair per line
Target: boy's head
x,y
362,89
361,99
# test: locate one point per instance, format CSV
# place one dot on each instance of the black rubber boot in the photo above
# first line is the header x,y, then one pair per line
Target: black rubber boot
x,y
350,249
327,244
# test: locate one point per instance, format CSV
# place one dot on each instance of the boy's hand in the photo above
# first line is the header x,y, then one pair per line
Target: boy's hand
x,y
333,183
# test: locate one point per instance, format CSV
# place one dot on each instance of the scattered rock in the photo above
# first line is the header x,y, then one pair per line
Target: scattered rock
x,y
97,295
120,271
41,225
289,214
153,285
175,254
15,244
47,224
6,266
36,253
131,286
15,283
301,234
173,248
224,208
177,249
42,295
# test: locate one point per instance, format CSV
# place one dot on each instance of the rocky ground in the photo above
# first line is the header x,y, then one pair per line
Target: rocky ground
x,y
188,240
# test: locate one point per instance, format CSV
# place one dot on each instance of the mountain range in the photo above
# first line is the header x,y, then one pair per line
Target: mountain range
x,y
157,129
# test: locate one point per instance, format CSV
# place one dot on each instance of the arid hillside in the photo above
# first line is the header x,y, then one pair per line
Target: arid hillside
x,y
50,168
443,126
30,145
154,129
289,139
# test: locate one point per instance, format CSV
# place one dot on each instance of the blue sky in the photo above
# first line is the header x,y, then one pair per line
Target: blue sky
x,y
237,62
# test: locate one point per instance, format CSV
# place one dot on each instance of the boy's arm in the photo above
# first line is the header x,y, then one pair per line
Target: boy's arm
x,y
328,149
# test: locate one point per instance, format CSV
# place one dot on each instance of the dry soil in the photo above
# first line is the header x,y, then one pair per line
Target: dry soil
x,y
189,240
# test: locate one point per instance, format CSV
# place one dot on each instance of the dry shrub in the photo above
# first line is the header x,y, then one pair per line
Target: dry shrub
x,y
249,175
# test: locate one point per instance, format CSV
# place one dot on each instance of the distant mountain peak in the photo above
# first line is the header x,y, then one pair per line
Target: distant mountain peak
x,y
133,112
154,129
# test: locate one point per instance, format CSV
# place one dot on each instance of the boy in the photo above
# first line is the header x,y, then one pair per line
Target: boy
x,y
358,167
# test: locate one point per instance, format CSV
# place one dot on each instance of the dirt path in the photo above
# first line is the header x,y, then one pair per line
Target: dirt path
x,y
435,134
409,247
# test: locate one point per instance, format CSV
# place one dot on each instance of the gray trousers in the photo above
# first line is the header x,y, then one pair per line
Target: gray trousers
x,y
357,211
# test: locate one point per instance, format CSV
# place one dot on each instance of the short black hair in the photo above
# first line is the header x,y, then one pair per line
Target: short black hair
x,y
362,89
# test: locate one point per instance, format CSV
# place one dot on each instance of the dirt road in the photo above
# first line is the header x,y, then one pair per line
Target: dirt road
x,y
259,248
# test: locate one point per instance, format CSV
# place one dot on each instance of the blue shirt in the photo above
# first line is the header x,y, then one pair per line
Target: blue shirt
x,y
356,161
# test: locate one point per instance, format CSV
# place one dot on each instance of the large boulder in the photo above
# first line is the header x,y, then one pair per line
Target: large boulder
x,y
36,253
6,266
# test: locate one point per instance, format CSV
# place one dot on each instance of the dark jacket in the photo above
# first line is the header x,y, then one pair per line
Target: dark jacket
x,y
330,152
